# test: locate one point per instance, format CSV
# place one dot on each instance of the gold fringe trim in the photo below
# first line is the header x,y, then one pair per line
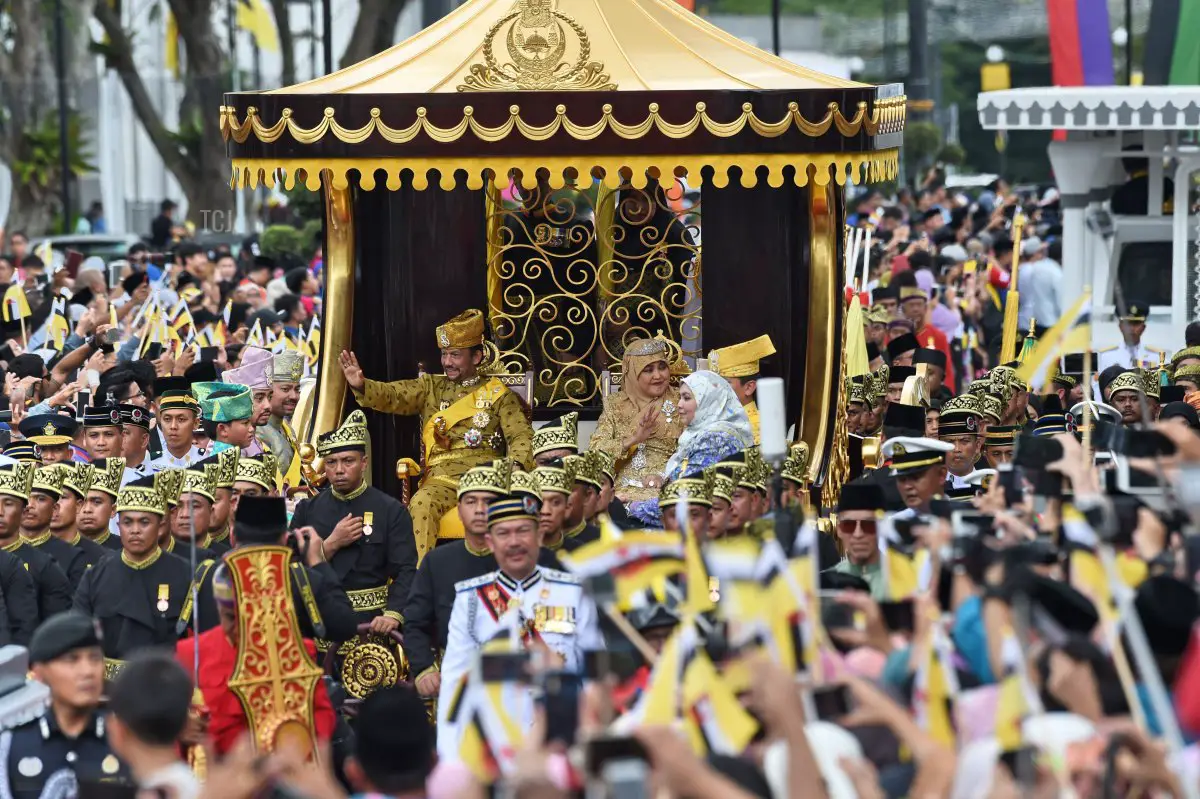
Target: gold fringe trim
x,y
886,117
615,170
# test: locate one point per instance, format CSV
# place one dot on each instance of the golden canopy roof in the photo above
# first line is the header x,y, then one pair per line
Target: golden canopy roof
x,y
640,45
602,86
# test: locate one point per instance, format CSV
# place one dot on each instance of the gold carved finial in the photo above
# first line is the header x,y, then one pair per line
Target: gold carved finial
x,y
546,49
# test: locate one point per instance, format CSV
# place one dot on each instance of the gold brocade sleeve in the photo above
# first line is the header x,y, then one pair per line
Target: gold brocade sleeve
x,y
518,433
607,435
401,397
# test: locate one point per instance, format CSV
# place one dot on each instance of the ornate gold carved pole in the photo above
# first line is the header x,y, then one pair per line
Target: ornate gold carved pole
x,y
338,308
822,364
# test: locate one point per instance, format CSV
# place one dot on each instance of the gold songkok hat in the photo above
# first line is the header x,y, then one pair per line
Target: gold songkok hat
x,y
256,470
606,464
16,479
697,490
462,332
1191,373
587,468
352,435
169,482
758,471
991,405
795,466
287,367
723,482
199,480
78,477
560,479
1131,380
522,483
1187,352
1153,380
960,416
108,479
857,389
49,480
878,314
741,360
912,292
226,466
142,496
490,477
562,433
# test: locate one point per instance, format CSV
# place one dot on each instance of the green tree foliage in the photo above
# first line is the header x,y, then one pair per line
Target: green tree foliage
x,y
282,240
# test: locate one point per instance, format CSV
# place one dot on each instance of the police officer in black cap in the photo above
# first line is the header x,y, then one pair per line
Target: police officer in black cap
x,y
64,745
52,433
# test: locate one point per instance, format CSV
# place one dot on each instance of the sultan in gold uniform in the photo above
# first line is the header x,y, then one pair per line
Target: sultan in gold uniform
x,y
739,365
467,418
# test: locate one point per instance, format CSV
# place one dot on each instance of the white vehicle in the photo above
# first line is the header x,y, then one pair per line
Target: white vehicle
x,y
1153,257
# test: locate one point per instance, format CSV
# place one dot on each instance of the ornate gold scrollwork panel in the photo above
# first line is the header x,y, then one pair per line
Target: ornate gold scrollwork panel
x,y
576,273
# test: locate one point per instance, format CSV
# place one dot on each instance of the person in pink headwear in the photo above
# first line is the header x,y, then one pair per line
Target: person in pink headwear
x,y
255,373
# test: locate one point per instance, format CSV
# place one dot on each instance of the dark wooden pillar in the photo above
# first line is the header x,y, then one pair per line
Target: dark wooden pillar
x,y
756,274
422,259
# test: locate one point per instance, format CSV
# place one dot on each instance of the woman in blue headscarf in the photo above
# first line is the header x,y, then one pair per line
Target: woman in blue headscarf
x,y
717,427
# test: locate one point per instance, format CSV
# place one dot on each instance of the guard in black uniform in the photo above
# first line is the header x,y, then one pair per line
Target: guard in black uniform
x,y
53,591
225,465
44,493
583,502
322,606
190,514
367,535
139,596
18,602
95,516
64,523
65,745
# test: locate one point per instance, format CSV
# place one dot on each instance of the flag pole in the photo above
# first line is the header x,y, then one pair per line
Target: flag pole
x,y
1008,341
1087,388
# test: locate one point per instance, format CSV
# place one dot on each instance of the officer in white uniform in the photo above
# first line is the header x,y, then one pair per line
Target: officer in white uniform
x,y
1133,327
919,466
178,413
135,435
548,609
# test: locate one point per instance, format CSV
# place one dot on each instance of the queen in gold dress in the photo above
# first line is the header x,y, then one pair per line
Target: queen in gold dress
x,y
640,424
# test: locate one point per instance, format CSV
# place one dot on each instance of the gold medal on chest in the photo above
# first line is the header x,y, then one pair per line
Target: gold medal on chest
x,y
110,765
164,597
368,523
514,602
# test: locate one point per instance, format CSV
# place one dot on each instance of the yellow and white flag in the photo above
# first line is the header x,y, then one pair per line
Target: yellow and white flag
x,y
16,305
1067,335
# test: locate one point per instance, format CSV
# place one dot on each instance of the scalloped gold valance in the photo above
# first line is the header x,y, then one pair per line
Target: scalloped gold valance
x,y
886,117
612,170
